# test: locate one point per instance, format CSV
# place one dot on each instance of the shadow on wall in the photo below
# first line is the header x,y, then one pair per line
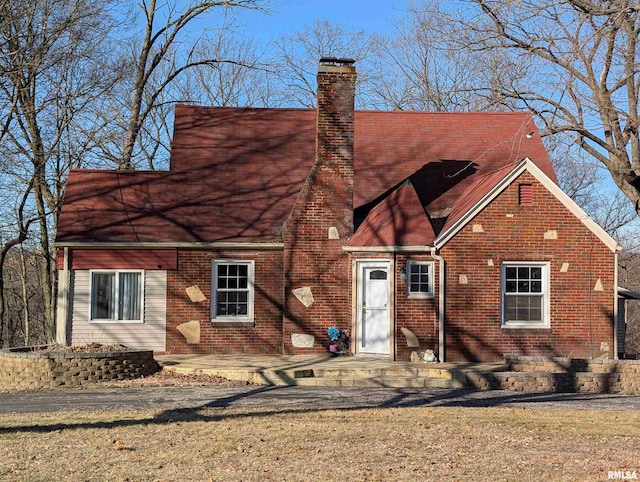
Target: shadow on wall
x,y
465,345
264,336
433,180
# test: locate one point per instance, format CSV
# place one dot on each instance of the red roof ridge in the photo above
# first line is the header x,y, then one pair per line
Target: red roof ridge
x,y
449,113
368,111
241,108
93,170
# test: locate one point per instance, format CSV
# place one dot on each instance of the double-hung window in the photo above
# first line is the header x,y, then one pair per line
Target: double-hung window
x,y
525,295
420,279
117,296
232,283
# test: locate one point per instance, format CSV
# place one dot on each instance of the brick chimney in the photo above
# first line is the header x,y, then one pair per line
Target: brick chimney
x,y
334,142
322,218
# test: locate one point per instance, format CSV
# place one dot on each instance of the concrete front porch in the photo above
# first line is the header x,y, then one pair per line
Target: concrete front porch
x,y
330,371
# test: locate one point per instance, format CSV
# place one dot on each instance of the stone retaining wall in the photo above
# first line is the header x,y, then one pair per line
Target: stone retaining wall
x,y
567,375
34,369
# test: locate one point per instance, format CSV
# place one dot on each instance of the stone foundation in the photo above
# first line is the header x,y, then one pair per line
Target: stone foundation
x,y
30,369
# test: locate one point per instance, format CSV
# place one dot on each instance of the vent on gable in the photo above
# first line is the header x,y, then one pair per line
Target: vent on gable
x,y
525,194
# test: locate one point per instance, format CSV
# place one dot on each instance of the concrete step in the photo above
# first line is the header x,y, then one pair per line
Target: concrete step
x,y
375,382
399,376
422,371
391,378
417,372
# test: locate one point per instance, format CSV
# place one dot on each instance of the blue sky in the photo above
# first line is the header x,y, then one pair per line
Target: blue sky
x,y
288,16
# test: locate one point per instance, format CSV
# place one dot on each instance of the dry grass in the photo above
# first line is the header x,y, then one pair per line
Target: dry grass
x,y
376,444
87,348
166,378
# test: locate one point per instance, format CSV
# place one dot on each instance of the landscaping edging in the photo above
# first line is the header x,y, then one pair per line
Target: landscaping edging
x,y
561,375
34,368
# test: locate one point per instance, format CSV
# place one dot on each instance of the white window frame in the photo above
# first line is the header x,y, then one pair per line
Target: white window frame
x,y
117,273
546,299
419,294
214,291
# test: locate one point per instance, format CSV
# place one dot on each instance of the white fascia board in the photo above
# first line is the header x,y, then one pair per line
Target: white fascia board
x,y
387,249
528,165
170,245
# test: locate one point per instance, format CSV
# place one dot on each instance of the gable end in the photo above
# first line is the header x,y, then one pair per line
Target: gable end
x,y
529,166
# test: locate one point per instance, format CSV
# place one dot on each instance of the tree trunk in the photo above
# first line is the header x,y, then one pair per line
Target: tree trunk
x,y
25,295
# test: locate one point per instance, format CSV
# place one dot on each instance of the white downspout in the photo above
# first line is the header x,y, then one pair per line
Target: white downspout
x,y
63,301
441,307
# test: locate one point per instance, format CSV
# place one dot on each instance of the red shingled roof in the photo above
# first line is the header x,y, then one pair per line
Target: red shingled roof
x,y
235,172
477,190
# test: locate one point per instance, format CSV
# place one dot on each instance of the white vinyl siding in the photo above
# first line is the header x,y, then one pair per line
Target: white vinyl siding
x,y
149,334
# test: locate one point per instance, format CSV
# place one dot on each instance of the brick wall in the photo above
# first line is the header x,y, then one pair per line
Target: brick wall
x,y
581,317
420,315
322,218
263,335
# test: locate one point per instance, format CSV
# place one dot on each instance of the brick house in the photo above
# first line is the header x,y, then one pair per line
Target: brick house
x,y
274,224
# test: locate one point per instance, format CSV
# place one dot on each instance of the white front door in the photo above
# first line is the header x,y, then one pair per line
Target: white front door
x,y
373,307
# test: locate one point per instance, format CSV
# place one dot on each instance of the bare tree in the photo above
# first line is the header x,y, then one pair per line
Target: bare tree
x,y
47,78
22,229
583,73
241,82
583,179
419,66
157,53
297,56
62,64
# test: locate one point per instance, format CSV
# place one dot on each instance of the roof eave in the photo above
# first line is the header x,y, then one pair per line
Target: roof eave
x,y
170,245
418,248
628,294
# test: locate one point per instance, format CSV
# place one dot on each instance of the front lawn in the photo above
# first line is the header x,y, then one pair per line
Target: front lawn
x,y
367,444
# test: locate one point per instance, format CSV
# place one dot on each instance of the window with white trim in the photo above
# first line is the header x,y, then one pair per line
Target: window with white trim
x,y
116,296
232,288
420,279
525,295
